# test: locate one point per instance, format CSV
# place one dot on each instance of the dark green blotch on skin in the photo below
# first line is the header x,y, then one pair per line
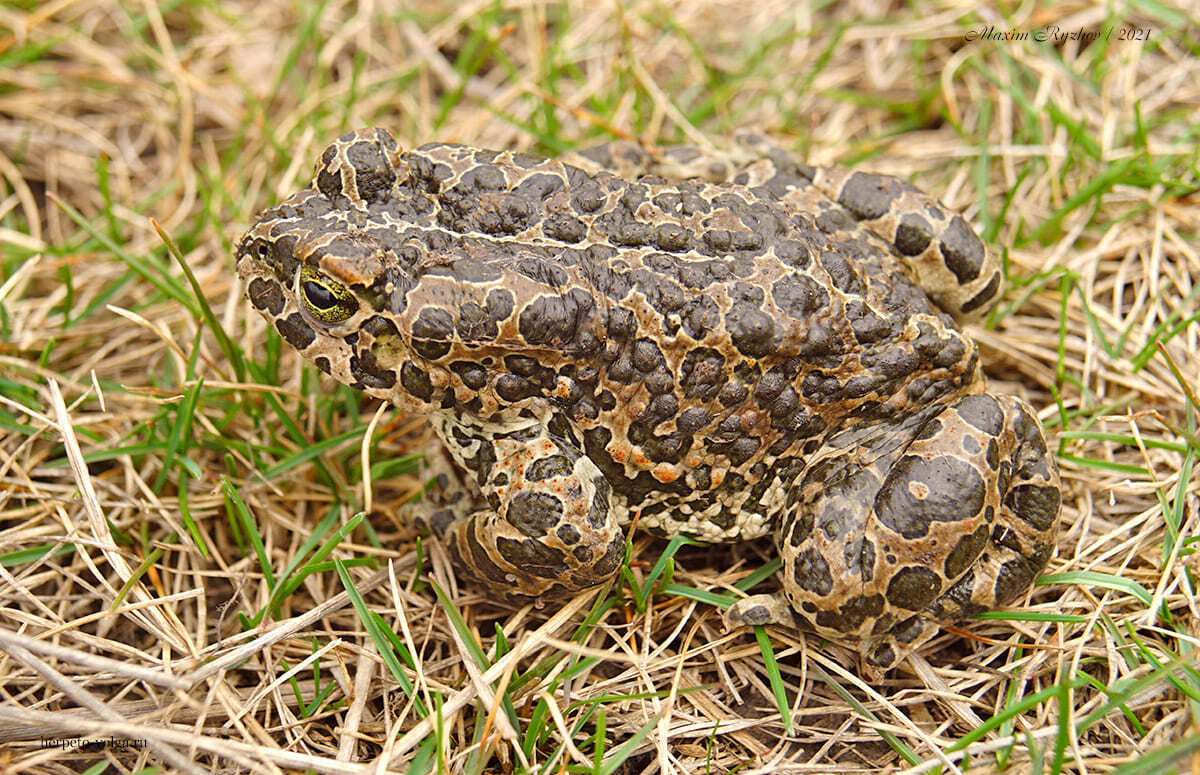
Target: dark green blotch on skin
x,y
295,330
282,253
913,235
983,412
499,304
481,561
1013,578
869,196
598,513
555,320
908,630
416,381
565,228
373,176
929,429
702,373
883,656
743,449
672,237
434,324
607,565
474,324
568,534
472,374
860,558
965,552
752,330
893,364
539,186
913,588
380,327
431,349
811,572
844,276
693,419
983,297
533,557
993,454
883,624
534,513
851,614
546,467
266,295
801,527
513,388
956,602
867,326
369,373
955,493
792,253
646,356
328,181
1036,505
961,250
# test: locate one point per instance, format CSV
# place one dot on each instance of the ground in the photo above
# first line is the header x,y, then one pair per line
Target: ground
x,y
200,561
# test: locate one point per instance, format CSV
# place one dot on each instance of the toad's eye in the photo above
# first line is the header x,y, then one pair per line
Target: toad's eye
x,y
327,301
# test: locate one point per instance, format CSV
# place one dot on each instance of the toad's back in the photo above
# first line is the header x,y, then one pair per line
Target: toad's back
x,y
688,330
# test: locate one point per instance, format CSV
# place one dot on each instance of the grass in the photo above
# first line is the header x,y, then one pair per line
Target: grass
x,y
199,547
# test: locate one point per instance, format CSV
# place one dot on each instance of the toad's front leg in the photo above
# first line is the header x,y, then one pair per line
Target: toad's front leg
x,y
543,524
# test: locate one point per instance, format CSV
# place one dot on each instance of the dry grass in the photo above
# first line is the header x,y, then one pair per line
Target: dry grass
x,y
171,566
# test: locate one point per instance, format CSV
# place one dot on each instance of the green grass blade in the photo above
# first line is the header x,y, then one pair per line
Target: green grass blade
x,y
234,354
241,514
778,690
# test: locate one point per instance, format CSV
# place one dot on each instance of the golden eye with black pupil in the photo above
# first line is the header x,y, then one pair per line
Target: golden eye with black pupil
x,y
319,296
325,300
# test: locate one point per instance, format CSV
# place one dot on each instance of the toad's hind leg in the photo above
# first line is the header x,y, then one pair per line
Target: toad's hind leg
x,y
540,523
1025,528
891,535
